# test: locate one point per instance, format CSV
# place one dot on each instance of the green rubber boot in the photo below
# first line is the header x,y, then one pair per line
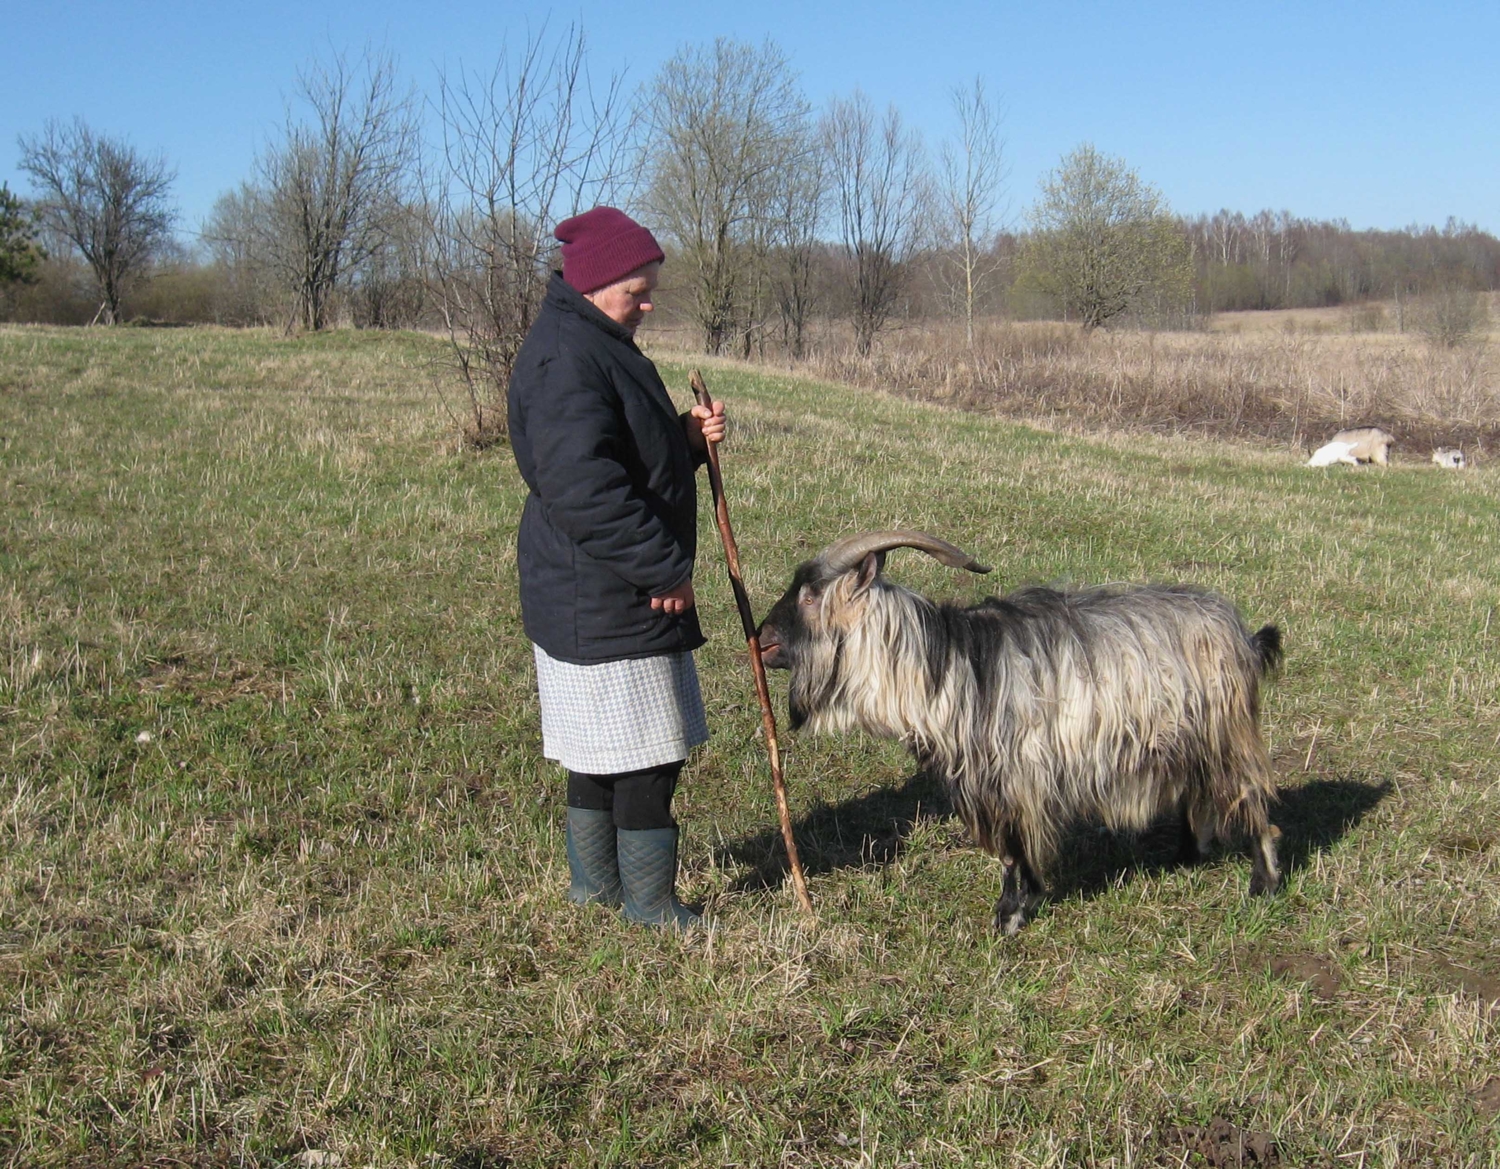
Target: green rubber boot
x,y
648,873
591,858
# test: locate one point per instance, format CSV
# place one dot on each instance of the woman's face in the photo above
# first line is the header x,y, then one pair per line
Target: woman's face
x,y
627,301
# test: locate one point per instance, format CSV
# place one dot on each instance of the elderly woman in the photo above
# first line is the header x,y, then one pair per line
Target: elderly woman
x,y
605,551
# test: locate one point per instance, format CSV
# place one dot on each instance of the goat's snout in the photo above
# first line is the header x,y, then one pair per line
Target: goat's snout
x,y
772,652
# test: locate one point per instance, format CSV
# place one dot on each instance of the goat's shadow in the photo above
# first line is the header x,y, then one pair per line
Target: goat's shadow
x,y
873,829
1313,816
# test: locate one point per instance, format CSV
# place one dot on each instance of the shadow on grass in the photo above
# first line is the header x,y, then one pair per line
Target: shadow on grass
x,y
1312,816
872,829
869,829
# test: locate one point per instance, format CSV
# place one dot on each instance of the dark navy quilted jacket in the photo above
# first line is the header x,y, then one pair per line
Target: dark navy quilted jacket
x,y
611,520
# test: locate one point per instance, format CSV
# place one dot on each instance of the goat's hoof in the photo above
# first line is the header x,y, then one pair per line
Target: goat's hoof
x,y
1010,916
1264,884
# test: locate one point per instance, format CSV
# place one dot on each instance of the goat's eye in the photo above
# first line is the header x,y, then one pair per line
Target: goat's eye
x,y
809,598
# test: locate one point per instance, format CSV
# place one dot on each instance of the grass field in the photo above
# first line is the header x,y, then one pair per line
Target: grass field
x,y
282,871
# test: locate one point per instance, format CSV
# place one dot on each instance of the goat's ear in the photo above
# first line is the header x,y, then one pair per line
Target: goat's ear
x,y
869,569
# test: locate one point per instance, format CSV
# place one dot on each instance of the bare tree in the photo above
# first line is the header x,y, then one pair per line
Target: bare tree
x,y
231,236
1103,242
108,201
972,184
523,147
880,184
389,288
797,211
325,187
726,123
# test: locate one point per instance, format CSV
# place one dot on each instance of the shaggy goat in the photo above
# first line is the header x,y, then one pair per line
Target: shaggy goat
x,y
1450,458
1367,444
1042,706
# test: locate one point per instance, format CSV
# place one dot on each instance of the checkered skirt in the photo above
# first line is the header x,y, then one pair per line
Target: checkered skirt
x,y
619,716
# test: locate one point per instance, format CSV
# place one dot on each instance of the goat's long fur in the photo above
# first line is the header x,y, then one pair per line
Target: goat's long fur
x,y
1045,705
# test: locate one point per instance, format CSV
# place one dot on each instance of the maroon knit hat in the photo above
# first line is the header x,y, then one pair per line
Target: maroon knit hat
x,y
602,246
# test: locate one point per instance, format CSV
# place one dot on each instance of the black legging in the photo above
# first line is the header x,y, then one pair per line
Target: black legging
x,y
639,799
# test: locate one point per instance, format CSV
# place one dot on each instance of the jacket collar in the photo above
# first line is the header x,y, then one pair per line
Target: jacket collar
x,y
564,296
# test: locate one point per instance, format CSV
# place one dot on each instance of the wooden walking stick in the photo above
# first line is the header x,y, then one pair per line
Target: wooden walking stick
x,y
752,638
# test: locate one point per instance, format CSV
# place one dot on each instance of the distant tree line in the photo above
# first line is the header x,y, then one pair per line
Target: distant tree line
x,y
779,219
1273,261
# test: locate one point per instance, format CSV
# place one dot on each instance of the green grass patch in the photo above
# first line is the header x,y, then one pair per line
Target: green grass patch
x,y
281,867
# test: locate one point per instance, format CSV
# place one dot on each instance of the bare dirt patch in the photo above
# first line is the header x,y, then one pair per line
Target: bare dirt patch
x,y
1460,844
1220,1144
1320,974
211,684
1484,987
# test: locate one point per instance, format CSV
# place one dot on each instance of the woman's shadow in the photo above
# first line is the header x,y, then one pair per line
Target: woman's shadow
x,y
872,829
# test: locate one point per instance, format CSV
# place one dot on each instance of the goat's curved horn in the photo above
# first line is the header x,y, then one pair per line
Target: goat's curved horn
x,y
846,553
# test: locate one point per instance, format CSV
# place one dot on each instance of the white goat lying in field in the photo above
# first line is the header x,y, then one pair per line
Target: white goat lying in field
x,y
1367,444
1333,452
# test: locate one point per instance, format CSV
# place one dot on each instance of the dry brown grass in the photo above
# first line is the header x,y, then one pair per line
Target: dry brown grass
x,y
1286,378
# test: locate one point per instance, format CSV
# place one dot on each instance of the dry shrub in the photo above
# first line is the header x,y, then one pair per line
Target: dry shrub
x,y
1368,318
1452,317
490,431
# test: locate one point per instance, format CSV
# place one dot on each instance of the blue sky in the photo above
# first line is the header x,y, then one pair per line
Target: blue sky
x,y
1384,114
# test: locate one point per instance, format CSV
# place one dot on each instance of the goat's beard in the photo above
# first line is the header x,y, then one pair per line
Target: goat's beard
x,y
814,681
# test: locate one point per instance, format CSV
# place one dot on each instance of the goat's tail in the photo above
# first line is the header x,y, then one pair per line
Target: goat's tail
x,y
1266,642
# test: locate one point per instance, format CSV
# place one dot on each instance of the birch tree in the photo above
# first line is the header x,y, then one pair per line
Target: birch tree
x,y
972,184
